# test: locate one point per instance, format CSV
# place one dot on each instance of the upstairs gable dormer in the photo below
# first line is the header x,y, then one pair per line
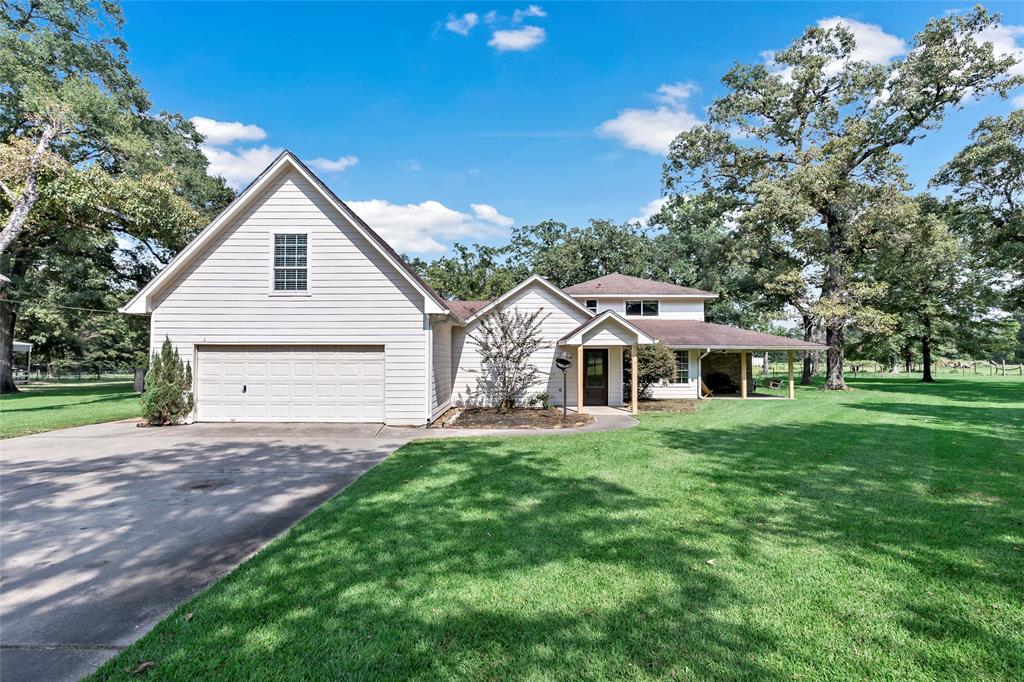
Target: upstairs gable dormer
x,y
635,297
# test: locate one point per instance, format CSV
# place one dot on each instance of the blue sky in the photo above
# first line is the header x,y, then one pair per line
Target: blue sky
x,y
442,122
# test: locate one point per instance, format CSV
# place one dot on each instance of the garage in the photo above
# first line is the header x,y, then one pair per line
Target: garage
x,y
290,383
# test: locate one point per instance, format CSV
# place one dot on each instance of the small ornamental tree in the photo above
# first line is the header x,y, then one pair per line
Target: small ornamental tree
x,y
654,363
168,395
505,341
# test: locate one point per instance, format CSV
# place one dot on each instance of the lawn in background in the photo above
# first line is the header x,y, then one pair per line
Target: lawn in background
x,y
876,533
46,406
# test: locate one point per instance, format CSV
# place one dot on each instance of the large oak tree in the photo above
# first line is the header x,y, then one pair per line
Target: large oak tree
x,y
806,150
82,159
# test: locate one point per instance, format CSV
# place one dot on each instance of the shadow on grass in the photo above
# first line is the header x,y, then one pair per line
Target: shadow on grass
x,y
458,561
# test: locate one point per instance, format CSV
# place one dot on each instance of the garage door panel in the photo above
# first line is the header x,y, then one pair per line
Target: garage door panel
x,y
290,383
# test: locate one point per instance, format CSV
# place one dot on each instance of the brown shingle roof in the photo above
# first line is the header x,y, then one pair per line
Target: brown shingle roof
x,y
465,309
617,283
696,334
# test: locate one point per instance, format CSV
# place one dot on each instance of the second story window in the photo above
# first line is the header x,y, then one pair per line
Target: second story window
x,y
642,308
592,304
290,262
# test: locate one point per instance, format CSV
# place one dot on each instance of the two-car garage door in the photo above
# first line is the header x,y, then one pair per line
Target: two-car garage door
x,y
290,383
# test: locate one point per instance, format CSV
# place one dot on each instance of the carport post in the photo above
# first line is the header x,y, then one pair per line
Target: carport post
x,y
579,379
633,379
789,359
743,374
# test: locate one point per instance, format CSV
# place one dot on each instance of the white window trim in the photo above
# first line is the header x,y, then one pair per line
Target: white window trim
x,y
675,372
309,265
586,302
641,301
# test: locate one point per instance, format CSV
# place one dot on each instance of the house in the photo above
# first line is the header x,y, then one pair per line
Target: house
x,y
289,307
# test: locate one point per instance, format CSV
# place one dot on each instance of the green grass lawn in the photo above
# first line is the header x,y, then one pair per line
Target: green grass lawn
x,y
877,533
47,406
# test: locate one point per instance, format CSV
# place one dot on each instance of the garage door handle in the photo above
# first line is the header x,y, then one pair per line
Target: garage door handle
x,y
243,388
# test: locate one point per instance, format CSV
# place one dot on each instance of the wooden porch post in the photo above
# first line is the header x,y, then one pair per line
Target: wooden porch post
x,y
743,375
789,358
579,379
632,378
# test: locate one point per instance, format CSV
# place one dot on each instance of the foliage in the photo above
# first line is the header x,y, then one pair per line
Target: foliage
x,y
541,400
802,154
82,159
723,545
569,255
168,395
40,407
477,273
987,179
654,363
506,341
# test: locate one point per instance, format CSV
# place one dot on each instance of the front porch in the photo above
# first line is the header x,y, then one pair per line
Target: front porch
x,y
709,364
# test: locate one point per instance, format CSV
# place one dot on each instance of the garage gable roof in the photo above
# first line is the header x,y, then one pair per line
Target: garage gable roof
x,y
141,302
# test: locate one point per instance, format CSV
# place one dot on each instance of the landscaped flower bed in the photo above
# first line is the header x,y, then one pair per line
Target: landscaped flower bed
x,y
521,418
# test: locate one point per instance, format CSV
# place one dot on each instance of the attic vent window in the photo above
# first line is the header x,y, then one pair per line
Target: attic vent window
x,y
289,262
592,304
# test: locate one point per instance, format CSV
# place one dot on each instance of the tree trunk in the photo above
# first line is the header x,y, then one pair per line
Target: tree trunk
x,y
926,353
833,289
8,315
908,359
809,369
23,205
835,335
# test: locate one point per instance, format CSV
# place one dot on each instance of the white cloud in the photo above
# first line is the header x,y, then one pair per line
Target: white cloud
x,y
461,25
517,40
649,210
410,165
491,16
652,130
1018,102
531,11
225,132
239,167
874,45
490,214
417,228
1004,39
335,165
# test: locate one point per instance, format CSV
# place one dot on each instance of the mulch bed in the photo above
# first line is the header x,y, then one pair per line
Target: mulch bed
x,y
523,418
669,405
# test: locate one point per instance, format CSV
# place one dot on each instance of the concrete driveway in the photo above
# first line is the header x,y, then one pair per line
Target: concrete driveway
x,y
104,529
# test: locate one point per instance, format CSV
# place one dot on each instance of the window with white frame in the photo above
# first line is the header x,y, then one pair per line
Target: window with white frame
x,y
682,367
290,262
592,304
642,308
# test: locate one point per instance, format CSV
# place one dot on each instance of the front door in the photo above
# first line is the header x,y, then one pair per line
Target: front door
x,y
595,378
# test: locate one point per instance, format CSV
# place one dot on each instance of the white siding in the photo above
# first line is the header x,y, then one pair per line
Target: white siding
x,y
355,295
560,318
441,386
615,388
668,309
687,390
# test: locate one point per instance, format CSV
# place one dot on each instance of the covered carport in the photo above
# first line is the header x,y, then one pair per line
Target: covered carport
x,y
732,346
